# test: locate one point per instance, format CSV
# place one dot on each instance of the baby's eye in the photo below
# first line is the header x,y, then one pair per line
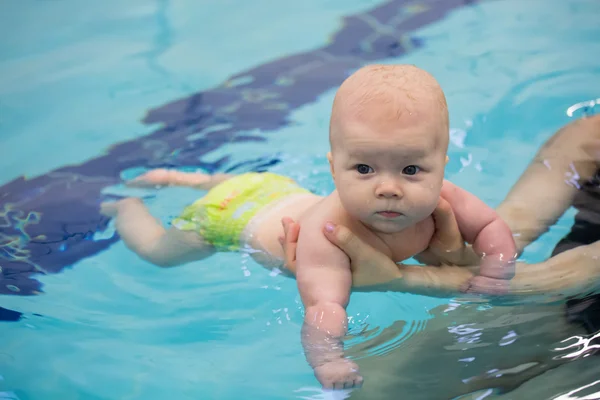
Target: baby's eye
x,y
411,170
364,169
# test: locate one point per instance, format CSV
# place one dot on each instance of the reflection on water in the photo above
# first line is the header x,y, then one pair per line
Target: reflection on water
x,y
469,351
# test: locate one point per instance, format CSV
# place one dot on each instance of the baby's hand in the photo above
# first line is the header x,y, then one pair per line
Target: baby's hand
x,y
494,276
340,373
500,266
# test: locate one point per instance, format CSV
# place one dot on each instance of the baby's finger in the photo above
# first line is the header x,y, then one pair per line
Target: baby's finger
x,y
358,382
353,384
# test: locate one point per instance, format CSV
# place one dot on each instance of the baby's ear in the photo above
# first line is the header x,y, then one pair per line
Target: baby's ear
x,y
330,159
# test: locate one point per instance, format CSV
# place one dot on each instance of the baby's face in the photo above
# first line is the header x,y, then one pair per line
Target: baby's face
x,y
389,174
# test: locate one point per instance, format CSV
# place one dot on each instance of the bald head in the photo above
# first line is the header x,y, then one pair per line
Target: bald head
x,y
389,94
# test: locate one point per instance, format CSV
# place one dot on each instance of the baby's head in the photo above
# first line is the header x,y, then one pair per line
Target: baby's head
x,y
389,138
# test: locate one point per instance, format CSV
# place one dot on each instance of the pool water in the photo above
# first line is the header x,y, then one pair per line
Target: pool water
x,y
77,78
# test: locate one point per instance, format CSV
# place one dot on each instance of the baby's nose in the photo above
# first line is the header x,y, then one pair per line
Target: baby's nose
x,y
388,190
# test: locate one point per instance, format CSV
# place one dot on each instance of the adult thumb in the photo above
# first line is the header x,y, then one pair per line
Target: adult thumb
x,y
343,238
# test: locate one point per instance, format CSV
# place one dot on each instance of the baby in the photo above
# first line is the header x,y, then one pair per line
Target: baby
x,y
389,139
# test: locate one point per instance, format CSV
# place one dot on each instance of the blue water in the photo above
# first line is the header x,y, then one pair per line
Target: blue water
x,y
76,77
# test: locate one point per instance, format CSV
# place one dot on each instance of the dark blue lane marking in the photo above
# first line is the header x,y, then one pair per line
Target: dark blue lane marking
x,y
47,222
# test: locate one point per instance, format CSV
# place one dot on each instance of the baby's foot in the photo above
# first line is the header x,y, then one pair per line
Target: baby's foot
x,y
111,208
163,177
155,177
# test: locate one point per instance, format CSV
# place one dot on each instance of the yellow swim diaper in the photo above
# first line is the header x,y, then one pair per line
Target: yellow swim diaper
x,y
221,216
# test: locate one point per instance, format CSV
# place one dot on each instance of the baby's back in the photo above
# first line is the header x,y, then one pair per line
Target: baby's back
x,y
263,231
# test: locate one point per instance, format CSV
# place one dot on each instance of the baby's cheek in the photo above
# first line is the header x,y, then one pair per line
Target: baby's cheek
x,y
427,211
426,202
356,206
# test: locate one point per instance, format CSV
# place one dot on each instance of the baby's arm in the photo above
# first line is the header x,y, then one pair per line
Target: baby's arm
x,y
173,177
324,281
480,225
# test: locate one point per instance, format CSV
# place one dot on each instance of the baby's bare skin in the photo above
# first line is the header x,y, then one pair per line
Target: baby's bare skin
x,y
263,231
389,138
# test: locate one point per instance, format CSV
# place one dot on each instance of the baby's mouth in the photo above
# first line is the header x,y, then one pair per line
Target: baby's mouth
x,y
389,214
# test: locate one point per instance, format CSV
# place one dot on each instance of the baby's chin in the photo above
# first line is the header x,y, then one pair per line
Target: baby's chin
x,y
388,227
392,225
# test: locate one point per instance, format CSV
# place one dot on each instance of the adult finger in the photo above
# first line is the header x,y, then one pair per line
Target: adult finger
x,y
489,286
291,231
447,234
343,238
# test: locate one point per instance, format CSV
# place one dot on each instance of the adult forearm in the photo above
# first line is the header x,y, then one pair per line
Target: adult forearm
x,y
549,184
433,281
571,273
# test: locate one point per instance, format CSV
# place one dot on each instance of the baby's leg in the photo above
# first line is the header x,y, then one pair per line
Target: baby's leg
x,y
144,235
197,180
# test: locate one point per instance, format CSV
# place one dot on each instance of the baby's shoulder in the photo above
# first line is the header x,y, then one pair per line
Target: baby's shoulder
x,y
326,209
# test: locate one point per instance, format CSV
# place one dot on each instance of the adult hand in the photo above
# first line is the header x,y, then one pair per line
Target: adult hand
x,y
289,241
447,246
369,266
374,270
